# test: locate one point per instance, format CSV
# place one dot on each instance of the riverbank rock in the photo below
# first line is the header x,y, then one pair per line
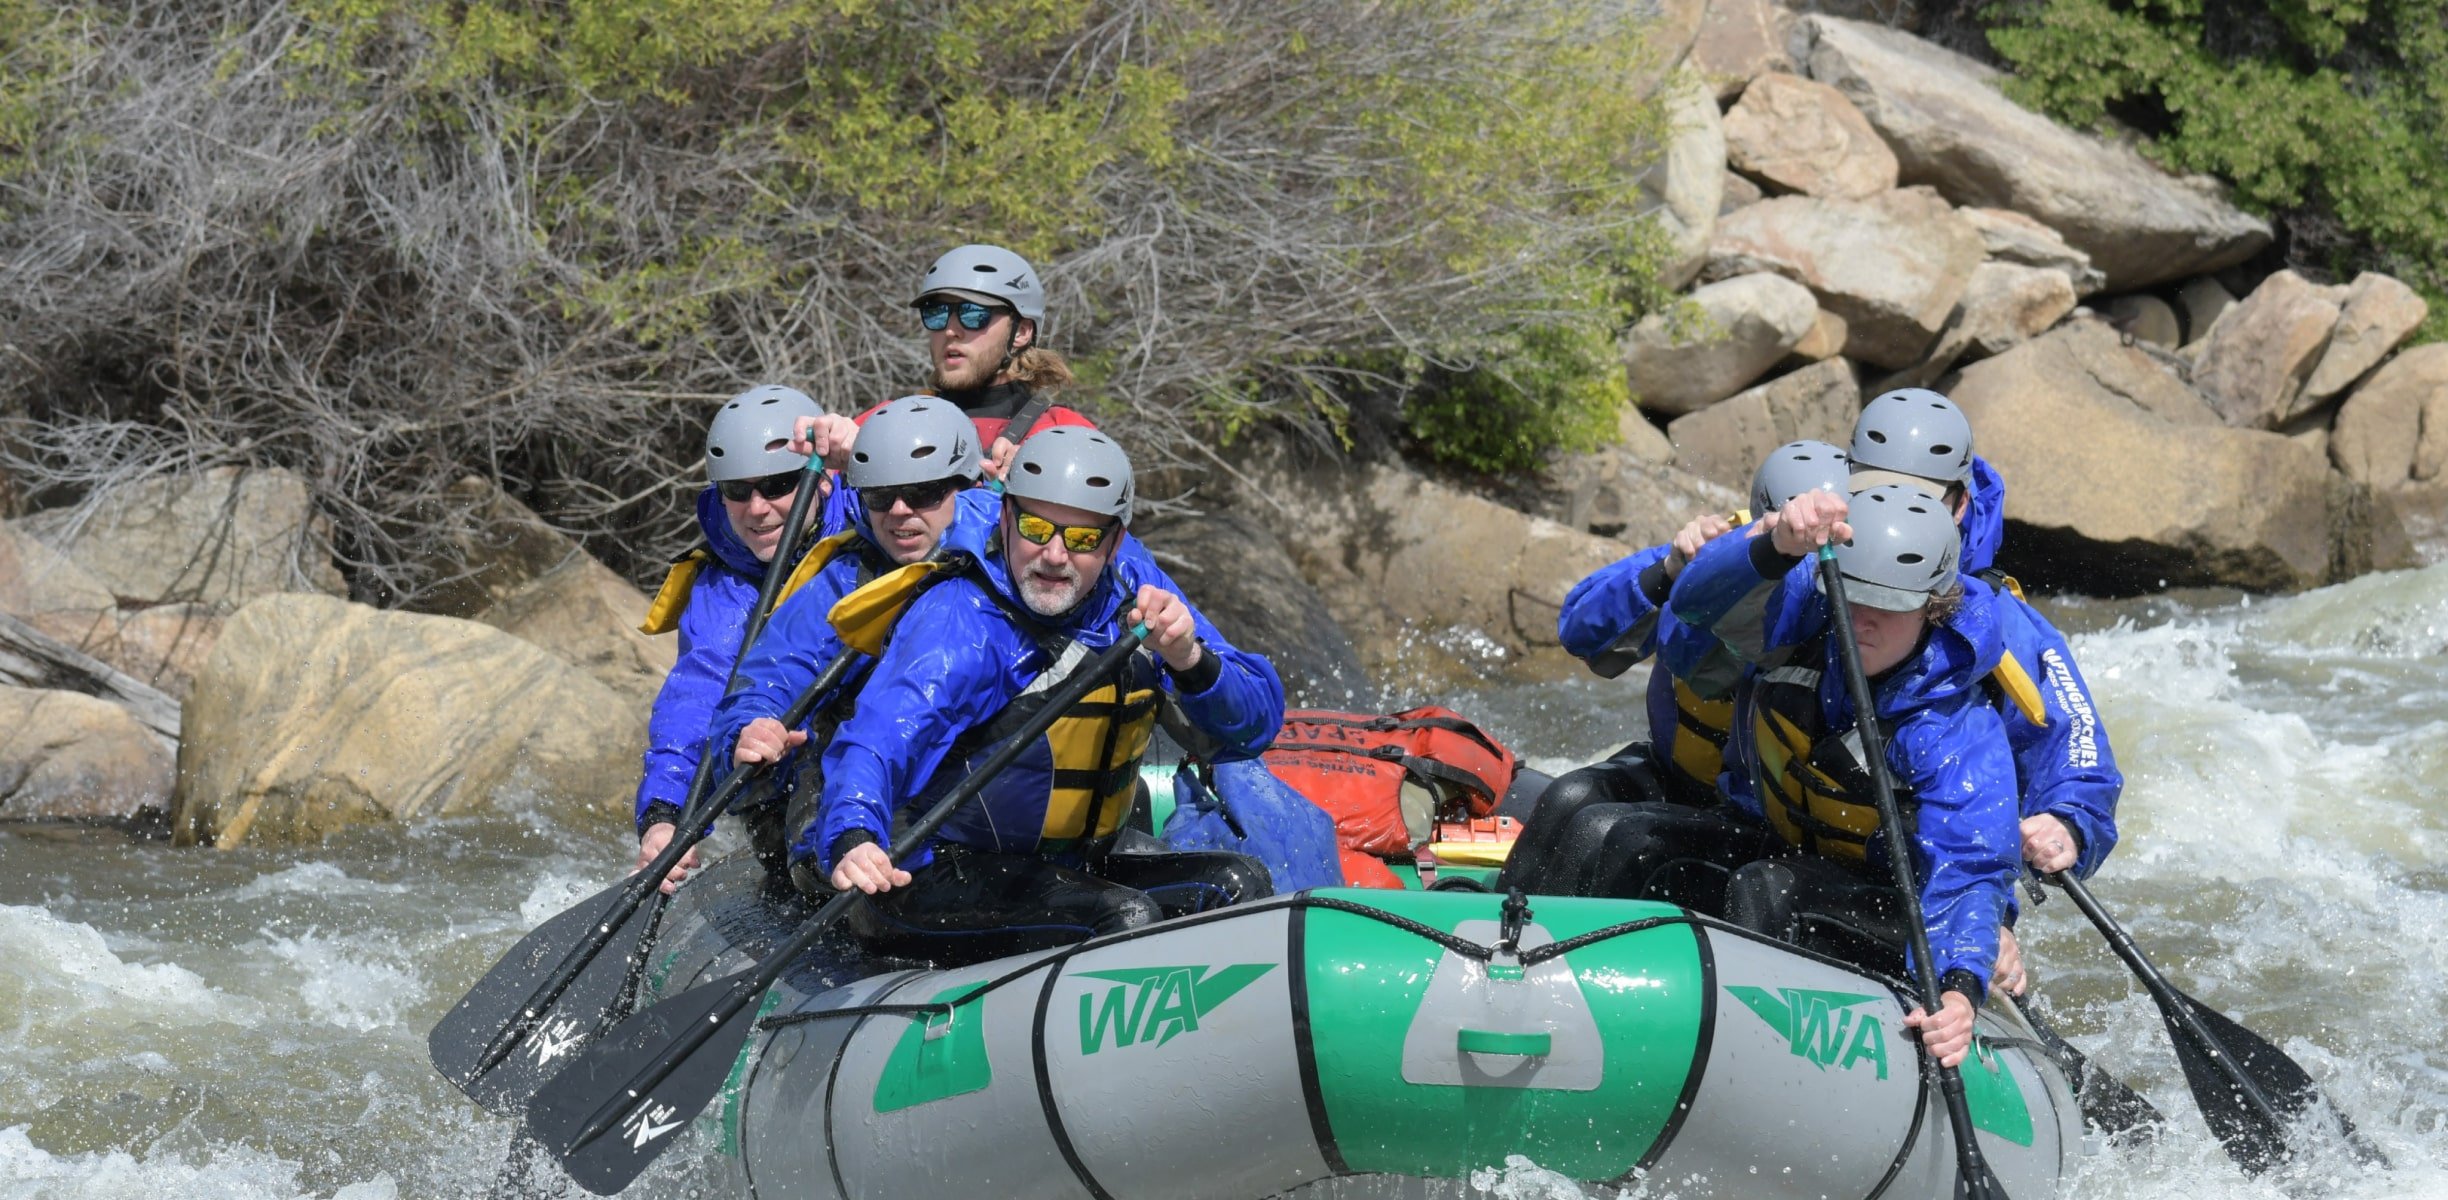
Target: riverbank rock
x,y
501,544
2261,351
69,756
1687,180
313,714
167,644
1237,572
2393,432
2378,312
48,591
1892,266
1729,333
1739,41
2010,237
1800,135
588,615
1952,128
2108,496
1612,494
222,538
1725,442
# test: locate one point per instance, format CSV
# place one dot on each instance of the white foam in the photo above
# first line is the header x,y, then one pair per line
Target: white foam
x,y
313,879
230,1172
352,983
59,969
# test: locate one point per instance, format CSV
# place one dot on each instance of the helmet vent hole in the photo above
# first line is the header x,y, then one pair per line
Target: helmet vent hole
x,y
1876,436
922,452
1942,449
714,451
776,444
1099,481
983,268
1032,468
1909,558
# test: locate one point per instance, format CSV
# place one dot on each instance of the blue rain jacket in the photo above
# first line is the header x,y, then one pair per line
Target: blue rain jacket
x,y
1984,519
1250,811
800,642
1946,749
710,628
974,660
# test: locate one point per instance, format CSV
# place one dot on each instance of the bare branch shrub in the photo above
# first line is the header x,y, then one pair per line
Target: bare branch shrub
x,y
386,244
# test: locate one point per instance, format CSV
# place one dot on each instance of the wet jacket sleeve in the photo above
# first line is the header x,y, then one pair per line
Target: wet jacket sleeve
x,y
1739,595
1610,618
1243,703
923,693
2068,770
676,730
1953,759
797,645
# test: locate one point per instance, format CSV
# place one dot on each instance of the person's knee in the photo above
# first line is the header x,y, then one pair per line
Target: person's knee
x,y
1759,897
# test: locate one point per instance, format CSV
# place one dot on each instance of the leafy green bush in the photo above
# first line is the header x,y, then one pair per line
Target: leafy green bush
x,y
388,242
2326,113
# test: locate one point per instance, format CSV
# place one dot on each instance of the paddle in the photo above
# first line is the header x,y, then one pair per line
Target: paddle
x,y
551,1011
2250,1092
1973,1177
653,1073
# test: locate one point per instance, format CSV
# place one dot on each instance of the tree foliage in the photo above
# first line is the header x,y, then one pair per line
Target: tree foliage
x,y
388,242
2327,113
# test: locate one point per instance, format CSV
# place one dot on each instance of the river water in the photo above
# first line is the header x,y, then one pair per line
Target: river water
x,y
229,1026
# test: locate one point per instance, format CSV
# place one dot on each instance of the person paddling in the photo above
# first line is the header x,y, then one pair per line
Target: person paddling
x,y
1040,858
709,592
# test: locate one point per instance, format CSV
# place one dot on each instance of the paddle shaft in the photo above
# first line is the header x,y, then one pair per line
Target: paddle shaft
x,y
698,811
746,987
2172,1004
1975,1171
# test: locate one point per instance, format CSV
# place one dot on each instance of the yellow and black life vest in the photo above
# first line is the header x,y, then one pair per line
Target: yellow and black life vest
x,y
1094,748
1815,789
670,600
1701,729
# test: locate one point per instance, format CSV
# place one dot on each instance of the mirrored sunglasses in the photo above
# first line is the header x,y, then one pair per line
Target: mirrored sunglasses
x,y
936,314
1078,539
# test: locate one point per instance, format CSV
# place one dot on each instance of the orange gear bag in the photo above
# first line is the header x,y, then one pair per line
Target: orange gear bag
x,y
1388,780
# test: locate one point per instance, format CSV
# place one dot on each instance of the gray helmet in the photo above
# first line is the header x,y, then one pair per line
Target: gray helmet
x,y
990,274
1904,548
1795,468
1916,432
915,439
748,439
1073,465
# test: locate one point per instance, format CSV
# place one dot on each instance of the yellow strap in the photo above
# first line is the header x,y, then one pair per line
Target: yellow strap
x,y
1739,518
1471,854
663,615
865,617
813,561
2018,686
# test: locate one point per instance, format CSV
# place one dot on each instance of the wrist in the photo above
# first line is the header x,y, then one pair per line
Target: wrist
x,y
1201,674
1966,983
659,812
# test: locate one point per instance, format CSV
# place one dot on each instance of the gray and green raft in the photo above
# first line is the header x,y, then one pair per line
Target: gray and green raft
x,y
1257,1050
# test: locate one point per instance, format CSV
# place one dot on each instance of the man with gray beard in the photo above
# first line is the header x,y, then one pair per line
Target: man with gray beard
x,y
1041,858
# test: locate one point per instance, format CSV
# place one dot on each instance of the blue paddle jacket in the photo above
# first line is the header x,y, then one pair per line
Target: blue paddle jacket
x,y
799,642
976,657
1946,749
719,601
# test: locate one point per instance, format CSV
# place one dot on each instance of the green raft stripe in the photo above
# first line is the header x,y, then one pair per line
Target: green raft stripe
x,y
1365,981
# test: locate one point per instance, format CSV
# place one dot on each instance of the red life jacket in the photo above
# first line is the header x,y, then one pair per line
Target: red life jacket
x,y
1356,766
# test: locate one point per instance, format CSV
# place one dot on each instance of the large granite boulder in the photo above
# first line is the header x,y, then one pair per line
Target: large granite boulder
x,y
1613,494
313,714
221,538
2011,237
588,615
1727,334
1739,41
48,590
2261,351
1725,442
2107,496
1892,266
64,755
165,645
1804,136
2377,313
2393,431
1237,572
1686,183
492,545
1952,128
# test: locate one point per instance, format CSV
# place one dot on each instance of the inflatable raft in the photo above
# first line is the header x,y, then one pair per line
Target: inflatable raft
x,y
1259,1050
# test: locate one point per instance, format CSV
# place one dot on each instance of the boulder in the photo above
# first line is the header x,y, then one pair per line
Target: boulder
x,y
2393,431
313,714
1686,183
493,546
1668,27
1892,266
1740,192
1237,572
2422,509
2146,318
2377,314
1644,442
2005,303
2260,352
1725,442
1728,333
220,538
1611,494
1739,41
67,755
2009,236
1800,135
50,592
589,616
2107,497
2200,301
1825,340
167,644
1952,128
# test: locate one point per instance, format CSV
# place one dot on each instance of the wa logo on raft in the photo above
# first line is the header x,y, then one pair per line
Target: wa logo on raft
x,y
1157,1004
1820,1027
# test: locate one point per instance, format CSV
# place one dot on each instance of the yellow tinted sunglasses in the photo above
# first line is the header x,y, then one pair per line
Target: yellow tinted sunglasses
x,y
1078,539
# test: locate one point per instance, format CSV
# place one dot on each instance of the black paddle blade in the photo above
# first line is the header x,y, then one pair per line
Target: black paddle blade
x,y
495,1006
2109,1107
606,1117
2252,1140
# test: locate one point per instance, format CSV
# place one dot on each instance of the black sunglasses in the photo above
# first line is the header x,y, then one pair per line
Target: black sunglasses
x,y
936,314
772,487
919,496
